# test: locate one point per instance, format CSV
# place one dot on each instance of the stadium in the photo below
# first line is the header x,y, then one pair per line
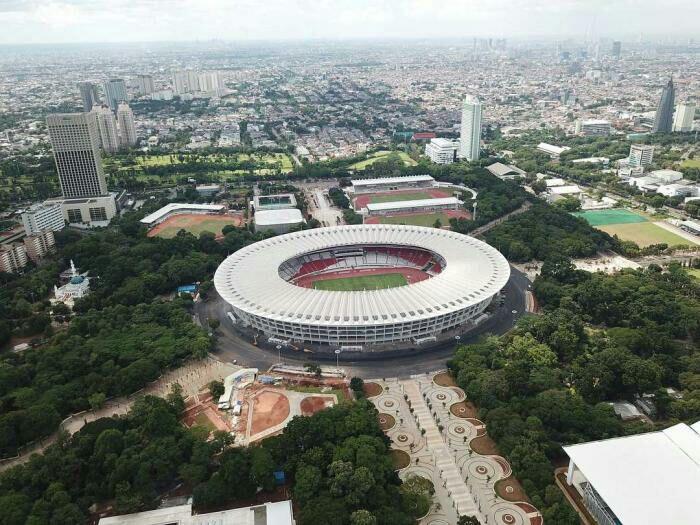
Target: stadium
x,y
363,287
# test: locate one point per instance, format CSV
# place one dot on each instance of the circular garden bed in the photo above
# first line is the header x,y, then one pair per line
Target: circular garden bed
x,y
372,389
444,379
464,409
400,459
510,489
386,421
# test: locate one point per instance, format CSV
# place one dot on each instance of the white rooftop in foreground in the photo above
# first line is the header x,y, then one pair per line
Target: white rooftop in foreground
x,y
181,206
647,479
279,513
392,180
281,216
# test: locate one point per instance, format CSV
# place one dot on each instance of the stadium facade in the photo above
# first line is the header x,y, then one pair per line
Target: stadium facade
x,y
451,279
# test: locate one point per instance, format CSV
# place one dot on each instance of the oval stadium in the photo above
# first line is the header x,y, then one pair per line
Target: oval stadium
x,y
361,288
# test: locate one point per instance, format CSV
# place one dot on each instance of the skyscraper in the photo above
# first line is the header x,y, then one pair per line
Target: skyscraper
x,y
683,119
664,112
107,128
209,82
88,92
127,128
76,149
470,132
145,84
616,48
185,82
115,92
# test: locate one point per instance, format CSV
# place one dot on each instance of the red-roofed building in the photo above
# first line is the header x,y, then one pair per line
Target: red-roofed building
x,y
426,135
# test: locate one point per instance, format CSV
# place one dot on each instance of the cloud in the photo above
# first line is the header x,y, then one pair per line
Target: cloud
x,y
147,20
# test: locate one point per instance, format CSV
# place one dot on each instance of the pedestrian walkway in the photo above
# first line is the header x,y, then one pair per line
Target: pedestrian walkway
x,y
456,487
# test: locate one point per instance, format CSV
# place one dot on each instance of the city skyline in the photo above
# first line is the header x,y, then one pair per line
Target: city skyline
x,y
69,21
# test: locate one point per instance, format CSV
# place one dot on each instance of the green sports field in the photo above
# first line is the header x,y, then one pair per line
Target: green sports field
x,y
645,234
612,216
398,197
362,282
379,155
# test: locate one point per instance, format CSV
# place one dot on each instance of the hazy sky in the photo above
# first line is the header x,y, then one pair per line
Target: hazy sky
x,y
46,21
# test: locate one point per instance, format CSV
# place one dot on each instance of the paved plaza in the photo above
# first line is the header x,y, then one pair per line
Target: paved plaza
x,y
438,442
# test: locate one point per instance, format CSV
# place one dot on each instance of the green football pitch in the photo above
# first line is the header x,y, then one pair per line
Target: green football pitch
x,y
362,282
612,216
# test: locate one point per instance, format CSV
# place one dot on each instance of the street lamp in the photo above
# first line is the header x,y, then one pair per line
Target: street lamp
x,y
337,358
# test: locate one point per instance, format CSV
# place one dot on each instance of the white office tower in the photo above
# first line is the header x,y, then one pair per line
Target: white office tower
x,y
641,155
76,149
442,151
185,82
144,84
683,119
127,127
210,82
107,127
470,132
43,217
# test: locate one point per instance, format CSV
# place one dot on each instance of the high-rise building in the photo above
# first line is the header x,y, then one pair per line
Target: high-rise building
x,y
89,95
76,149
107,128
663,120
115,92
209,82
683,119
13,257
616,48
42,217
38,245
127,127
470,132
144,84
185,82
641,155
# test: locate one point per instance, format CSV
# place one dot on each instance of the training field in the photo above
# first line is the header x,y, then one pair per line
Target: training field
x,y
379,155
195,224
419,219
612,216
362,200
362,282
644,234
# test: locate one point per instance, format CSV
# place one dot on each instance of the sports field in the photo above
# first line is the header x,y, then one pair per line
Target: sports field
x,y
417,219
644,234
195,224
400,196
379,155
611,216
691,163
362,282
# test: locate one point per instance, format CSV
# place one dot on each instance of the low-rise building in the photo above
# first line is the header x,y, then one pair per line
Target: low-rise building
x,y
279,221
421,205
392,183
592,127
639,479
280,201
13,257
44,216
442,151
87,211
278,513
207,190
505,171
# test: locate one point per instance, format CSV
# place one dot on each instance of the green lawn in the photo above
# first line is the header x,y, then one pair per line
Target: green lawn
x,y
378,155
362,282
611,216
695,272
645,234
419,219
201,420
690,163
396,197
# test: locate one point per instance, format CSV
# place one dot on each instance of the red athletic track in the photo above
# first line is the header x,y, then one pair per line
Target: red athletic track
x,y
452,214
361,201
412,275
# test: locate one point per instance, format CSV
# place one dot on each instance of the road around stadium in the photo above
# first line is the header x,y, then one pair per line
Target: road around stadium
x,y
230,346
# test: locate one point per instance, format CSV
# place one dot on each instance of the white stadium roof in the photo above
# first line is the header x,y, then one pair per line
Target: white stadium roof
x,y
178,206
392,180
646,479
249,279
420,203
